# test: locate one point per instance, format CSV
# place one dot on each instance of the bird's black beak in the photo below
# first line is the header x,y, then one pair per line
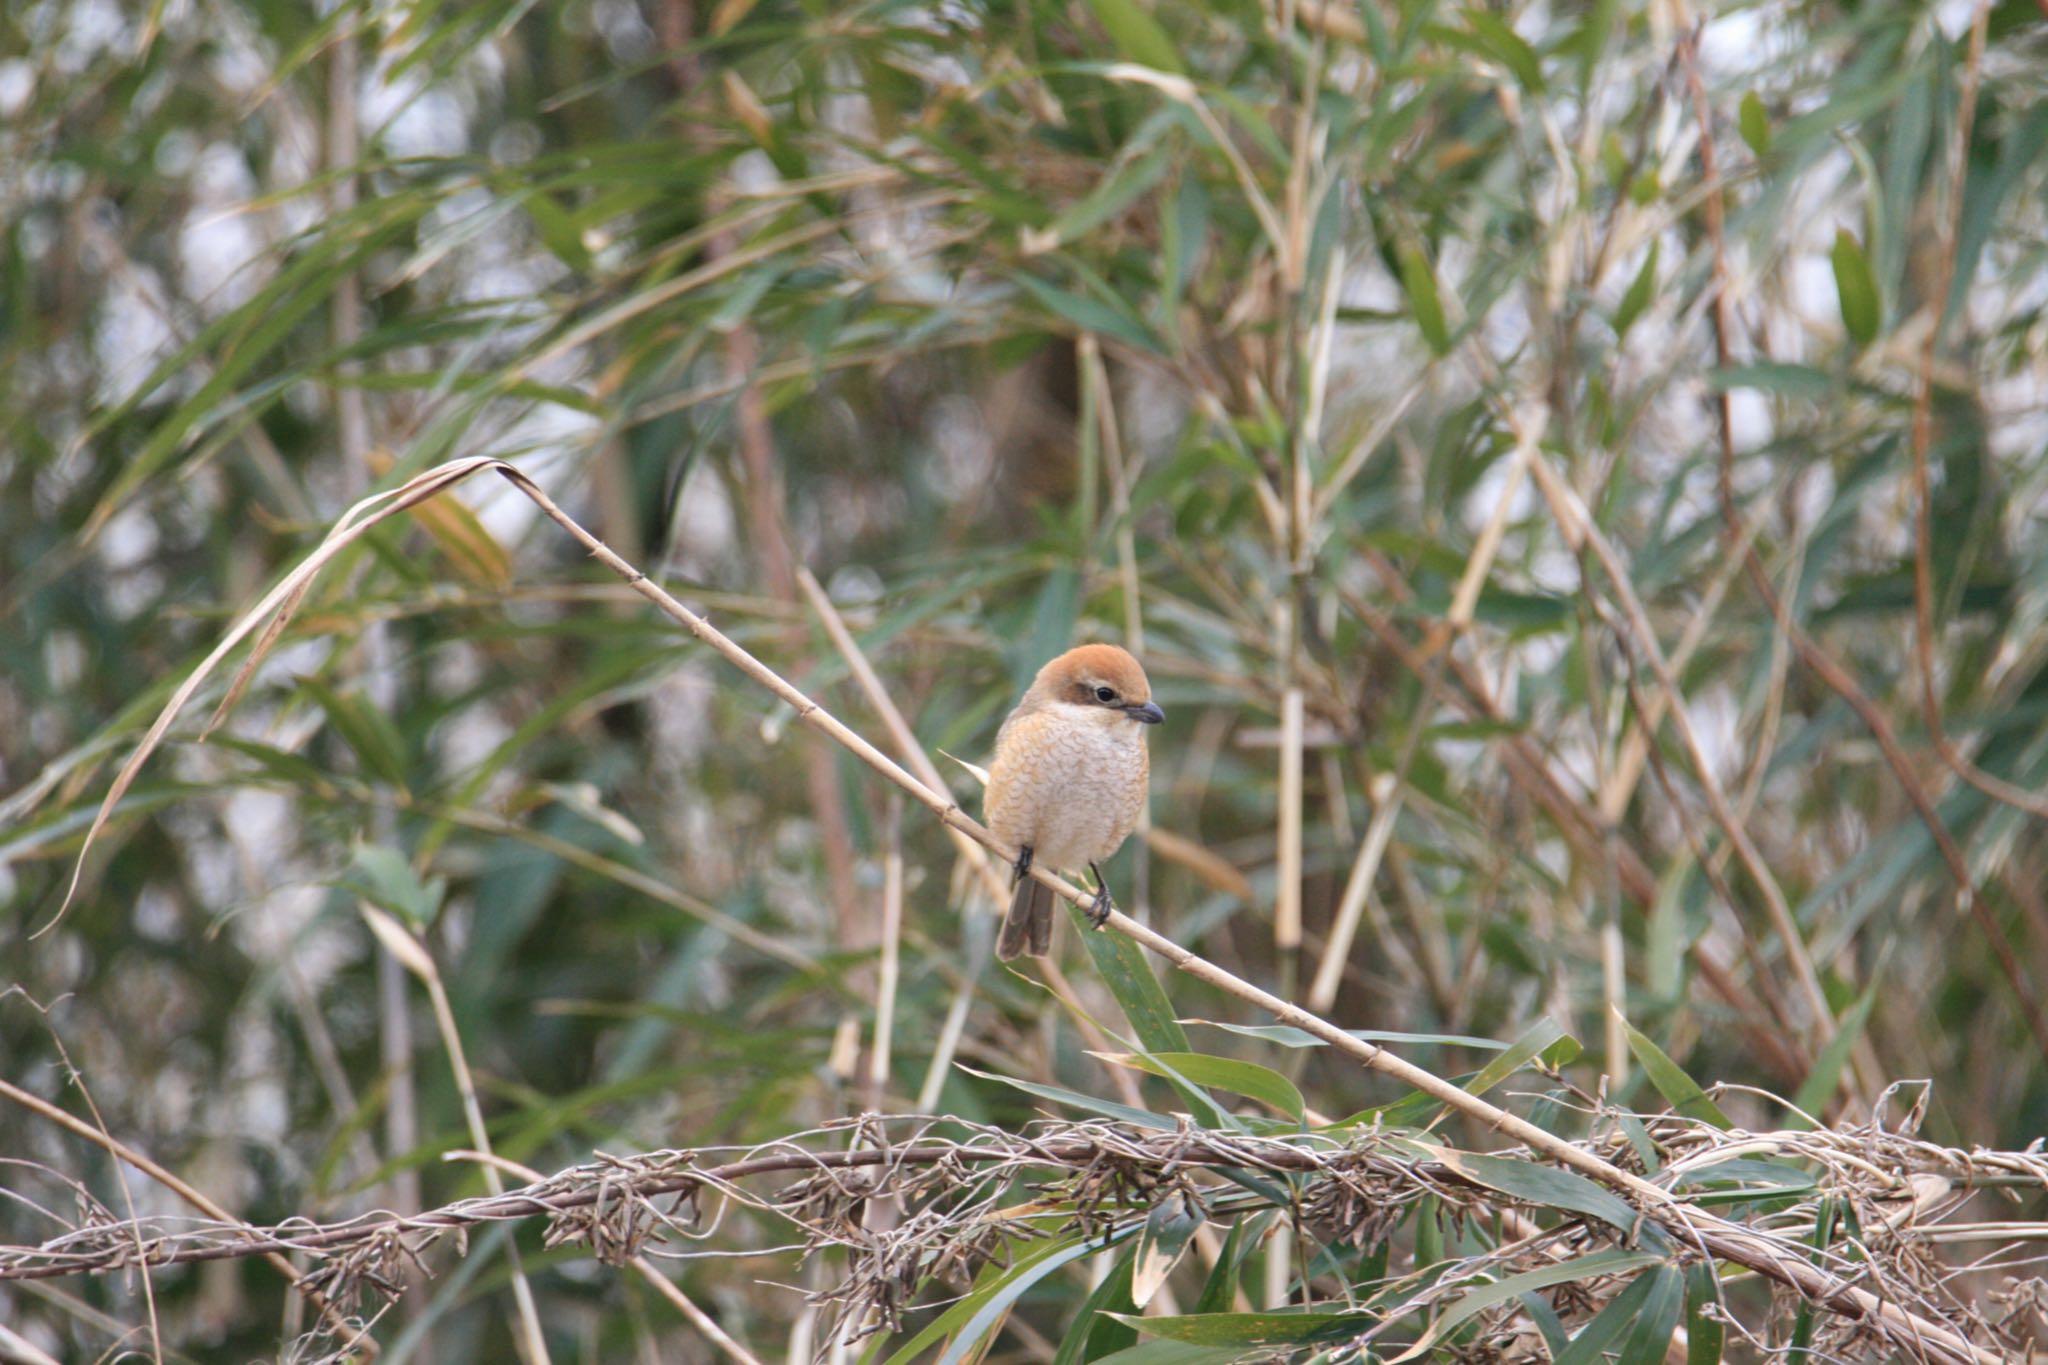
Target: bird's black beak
x,y
1148,714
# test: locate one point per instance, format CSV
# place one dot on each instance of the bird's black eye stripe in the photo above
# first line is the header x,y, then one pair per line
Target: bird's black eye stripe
x,y
1105,694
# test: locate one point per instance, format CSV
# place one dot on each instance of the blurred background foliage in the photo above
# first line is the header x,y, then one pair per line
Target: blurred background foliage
x,y
1278,341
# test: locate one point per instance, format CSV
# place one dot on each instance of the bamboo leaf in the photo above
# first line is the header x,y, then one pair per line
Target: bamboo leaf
x,y
386,878
1094,1332
1168,1231
970,1319
1742,1180
1123,185
1820,1083
1754,123
1508,47
1087,1104
1288,1036
1219,1291
1535,1041
1704,1330
1857,287
1614,1261
1250,1329
1790,381
1681,1091
1418,280
1638,296
1090,315
1125,970
1137,34
1164,1352
1649,1338
1620,1315
365,729
1544,1186
1263,1084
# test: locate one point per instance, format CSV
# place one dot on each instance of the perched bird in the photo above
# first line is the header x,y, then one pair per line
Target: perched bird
x,y
1068,781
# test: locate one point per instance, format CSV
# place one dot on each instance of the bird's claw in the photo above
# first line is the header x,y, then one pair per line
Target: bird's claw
x,y
1099,909
1023,865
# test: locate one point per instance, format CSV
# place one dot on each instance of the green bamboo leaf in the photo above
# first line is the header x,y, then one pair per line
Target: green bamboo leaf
x,y
1743,1180
1507,47
1638,296
1169,1229
1137,34
1128,975
1288,1036
1820,1083
1754,123
1555,1338
1534,1183
972,1317
1704,1330
1535,1041
1679,1090
1250,1329
1790,381
558,230
1614,1261
1799,1348
1164,1352
1986,191
1590,41
1862,309
277,764
1418,281
1117,190
1093,1332
1620,1315
1219,1291
386,879
1090,315
1650,1338
365,729
1142,1118
1263,1084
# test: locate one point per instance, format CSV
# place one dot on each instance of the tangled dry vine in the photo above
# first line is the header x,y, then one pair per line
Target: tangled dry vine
x,y
956,1187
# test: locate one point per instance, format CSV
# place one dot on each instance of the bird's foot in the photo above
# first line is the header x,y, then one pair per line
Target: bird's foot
x,y
1023,867
1099,909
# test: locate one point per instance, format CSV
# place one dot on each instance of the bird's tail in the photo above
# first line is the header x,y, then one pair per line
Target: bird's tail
x,y
1028,926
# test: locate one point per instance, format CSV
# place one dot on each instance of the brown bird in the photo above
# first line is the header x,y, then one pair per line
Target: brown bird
x,y
1068,781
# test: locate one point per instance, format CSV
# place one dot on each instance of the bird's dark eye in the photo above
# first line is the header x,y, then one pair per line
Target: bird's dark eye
x,y
1105,695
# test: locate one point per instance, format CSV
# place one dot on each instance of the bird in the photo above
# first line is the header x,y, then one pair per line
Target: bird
x,y
1068,781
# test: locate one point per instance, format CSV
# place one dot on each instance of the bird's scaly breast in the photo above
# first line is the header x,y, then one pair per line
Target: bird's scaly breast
x,y
1071,788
